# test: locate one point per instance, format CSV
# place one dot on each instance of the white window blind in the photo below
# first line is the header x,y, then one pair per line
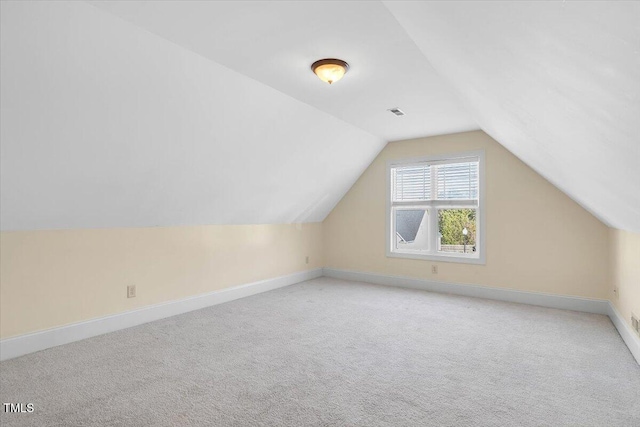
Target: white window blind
x,y
412,183
457,181
452,181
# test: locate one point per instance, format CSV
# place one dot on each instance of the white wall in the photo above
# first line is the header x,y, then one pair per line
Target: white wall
x,y
555,82
107,125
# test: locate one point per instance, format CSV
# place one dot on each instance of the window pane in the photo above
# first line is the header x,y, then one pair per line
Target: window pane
x,y
411,183
457,231
457,181
411,229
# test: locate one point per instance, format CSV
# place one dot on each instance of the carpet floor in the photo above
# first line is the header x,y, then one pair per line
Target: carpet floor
x,y
333,353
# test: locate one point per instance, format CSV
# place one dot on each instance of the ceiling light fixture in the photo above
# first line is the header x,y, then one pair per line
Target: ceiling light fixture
x,y
330,70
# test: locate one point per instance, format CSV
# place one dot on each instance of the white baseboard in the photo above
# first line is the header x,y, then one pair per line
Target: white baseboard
x,y
624,329
588,305
29,343
598,306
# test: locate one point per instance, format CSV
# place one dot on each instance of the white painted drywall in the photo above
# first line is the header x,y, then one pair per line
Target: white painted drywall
x,y
556,83
275,42
107,125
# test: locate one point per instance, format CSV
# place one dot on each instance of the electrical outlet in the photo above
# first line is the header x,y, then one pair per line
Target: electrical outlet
x,y
635,323
306,260
131,291
434,269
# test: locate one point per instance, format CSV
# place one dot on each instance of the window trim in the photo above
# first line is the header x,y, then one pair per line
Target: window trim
x,y
481,238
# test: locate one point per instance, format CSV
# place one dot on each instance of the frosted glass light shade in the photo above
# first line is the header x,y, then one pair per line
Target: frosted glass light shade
x,y
330,70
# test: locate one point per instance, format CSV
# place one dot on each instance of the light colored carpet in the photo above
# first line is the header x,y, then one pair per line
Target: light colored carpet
x,y
329,352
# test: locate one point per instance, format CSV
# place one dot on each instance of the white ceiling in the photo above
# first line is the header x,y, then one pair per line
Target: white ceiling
x,y
105,124
558,84
275,42
168,113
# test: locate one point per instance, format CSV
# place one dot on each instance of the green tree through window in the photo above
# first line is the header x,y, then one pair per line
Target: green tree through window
x,y
451,222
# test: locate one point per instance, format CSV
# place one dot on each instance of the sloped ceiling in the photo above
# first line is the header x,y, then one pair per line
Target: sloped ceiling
x,y
107,124
556,83
275,42
173,113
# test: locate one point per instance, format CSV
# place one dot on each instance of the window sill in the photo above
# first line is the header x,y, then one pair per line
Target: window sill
x,y
439,258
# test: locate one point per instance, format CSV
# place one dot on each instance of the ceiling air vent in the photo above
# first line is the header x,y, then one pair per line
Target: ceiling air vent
x,y
398,112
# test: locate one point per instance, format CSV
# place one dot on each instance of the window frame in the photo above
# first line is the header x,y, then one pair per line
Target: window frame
x,y
435,205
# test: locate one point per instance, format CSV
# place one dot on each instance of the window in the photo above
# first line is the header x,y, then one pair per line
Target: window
x,y
435,208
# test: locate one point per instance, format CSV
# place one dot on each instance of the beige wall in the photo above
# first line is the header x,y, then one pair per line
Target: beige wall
x,y
625,272
53,278
566,247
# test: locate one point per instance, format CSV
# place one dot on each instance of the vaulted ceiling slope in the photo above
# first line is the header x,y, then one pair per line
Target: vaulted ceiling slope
x,y
275,42
556,83
171,113
167,113
105,124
